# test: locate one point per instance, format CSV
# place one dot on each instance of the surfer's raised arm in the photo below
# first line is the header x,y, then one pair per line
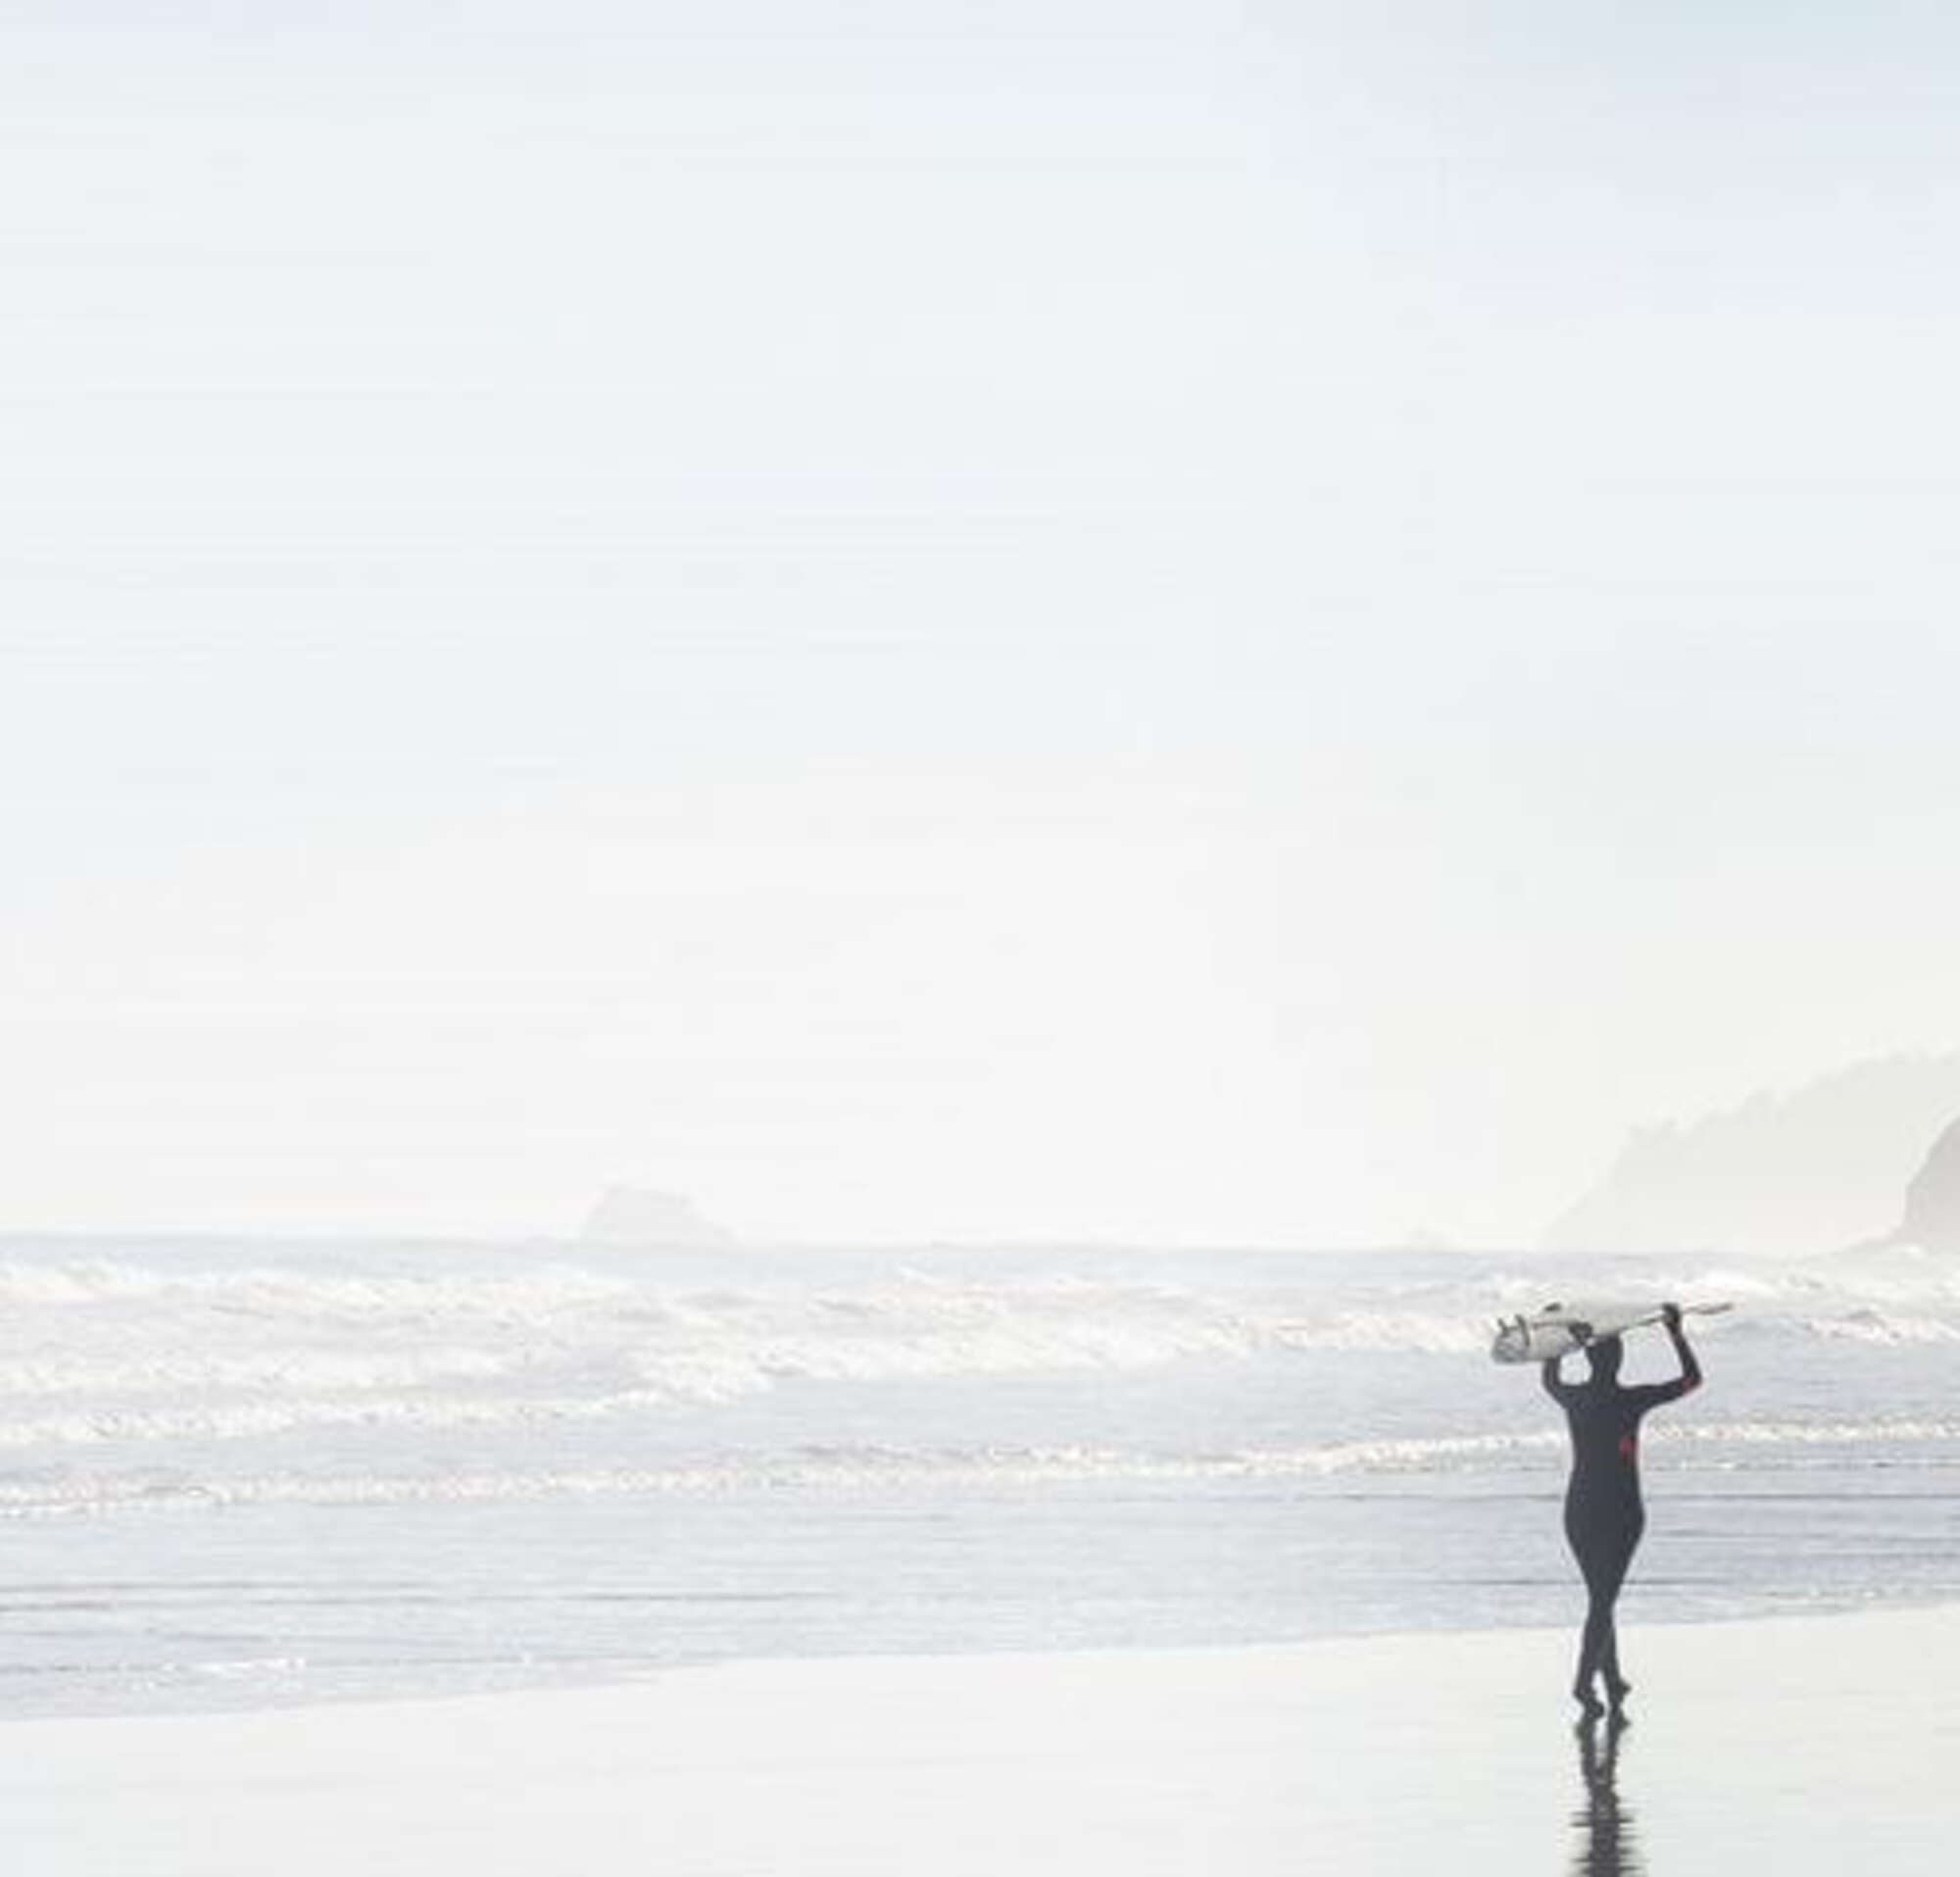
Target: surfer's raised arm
x,y
1690,1367
1689,1378
1547,1374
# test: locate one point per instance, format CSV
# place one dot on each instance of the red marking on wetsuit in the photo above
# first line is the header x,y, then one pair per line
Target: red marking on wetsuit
x,y
1630,1447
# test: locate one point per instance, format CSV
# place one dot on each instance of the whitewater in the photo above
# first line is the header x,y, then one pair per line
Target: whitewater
x,y
235,1474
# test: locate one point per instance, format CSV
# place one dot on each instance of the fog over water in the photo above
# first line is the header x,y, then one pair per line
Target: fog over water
x,y
1167,623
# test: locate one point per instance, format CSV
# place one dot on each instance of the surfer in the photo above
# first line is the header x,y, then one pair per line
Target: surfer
x,y
1603,1514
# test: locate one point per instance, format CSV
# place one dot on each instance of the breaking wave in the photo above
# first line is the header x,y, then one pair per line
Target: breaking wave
x,y
111,1348
190,1352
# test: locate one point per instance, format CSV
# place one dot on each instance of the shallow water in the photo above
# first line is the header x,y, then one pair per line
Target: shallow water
x,y
236,1473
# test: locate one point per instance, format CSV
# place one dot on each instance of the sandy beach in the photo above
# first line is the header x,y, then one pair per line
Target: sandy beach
x,y
1796,1746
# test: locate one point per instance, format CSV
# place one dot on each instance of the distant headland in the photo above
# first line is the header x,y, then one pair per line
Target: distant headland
x,y
1818,1168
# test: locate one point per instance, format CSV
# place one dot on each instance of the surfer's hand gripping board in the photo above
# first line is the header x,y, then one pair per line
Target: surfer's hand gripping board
x,y
1563,1329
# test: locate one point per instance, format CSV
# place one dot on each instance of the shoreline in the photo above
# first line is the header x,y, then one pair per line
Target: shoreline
x,y
1808,1743
300,1700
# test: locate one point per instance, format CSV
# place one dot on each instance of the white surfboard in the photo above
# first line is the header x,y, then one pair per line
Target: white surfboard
x,y
1563,1329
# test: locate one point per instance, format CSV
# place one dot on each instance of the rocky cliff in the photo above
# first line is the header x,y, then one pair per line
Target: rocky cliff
x,y
1932,1200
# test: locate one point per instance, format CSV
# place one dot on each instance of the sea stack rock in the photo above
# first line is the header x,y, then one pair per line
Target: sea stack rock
x,y
646,1220
1932,1200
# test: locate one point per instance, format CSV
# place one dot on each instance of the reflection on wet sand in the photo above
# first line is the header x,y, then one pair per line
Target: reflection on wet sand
x,y
1609,1846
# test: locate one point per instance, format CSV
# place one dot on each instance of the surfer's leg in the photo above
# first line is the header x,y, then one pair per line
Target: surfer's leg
x,y
1585,1548
1618,1687
1591,1707
1603,1542
1594,1642
1607,1550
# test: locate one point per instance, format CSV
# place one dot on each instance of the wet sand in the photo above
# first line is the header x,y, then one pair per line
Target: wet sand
x,y
1814,1745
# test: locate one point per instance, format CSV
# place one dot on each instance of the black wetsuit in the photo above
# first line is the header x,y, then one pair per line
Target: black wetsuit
x,y
1603,1514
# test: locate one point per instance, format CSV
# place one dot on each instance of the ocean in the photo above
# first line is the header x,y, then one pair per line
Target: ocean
x,y
236,1474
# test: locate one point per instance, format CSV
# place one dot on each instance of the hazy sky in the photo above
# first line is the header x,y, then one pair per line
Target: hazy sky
x,y
1163,620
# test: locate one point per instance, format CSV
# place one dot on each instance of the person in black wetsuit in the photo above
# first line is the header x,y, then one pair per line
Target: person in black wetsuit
x,y
1603,1514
